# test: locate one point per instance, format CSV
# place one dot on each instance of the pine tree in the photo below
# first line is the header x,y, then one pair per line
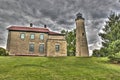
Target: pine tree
x,y
111,33
111,30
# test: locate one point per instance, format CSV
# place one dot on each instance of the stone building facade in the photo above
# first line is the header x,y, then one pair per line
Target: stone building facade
x,y
35,41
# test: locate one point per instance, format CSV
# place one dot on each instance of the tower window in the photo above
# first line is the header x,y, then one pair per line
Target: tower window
x,y
83,34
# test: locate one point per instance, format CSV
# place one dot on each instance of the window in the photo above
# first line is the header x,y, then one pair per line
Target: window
x,y
57,48
41,48
41,36
32,36
83,34
31,47
22,35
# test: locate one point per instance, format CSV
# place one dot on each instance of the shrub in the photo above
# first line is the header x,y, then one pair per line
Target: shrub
x,y
96,53
115,58
100,53
114,47
3,52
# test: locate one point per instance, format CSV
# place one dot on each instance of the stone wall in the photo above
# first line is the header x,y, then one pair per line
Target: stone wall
x,y
51,47
56,37
18,46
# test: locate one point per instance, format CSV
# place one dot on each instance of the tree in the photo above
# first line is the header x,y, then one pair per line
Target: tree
x,y
111,33
3,52
96,53
100,53
114,47
111,30
71,41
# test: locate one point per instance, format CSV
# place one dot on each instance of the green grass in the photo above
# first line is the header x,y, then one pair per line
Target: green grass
x,y
60,68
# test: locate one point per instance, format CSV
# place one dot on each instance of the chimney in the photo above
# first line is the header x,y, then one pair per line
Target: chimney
x,y
31,25
45,26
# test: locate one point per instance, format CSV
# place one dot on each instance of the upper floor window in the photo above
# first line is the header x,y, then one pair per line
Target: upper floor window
x,y
31,47
32,36
41,36
22,35
41,48
57,48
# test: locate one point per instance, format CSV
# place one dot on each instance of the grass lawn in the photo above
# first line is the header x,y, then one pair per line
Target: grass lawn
x,y
60,68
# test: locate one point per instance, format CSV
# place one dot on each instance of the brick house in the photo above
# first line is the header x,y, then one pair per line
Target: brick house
x,y
35,41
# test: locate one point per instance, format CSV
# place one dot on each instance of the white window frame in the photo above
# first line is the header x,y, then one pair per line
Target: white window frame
x,y
32,36
41,36
22,35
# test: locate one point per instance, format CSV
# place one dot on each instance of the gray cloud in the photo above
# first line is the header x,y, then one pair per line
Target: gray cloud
x,y
57,15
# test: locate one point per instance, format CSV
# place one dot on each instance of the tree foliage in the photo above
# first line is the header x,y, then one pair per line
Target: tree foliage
x,y
110,36
114,47
3,52
96,53
100,53
71,41
111,30
115,58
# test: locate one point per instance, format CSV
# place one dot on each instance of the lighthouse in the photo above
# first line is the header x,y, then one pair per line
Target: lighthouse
x,y
81,40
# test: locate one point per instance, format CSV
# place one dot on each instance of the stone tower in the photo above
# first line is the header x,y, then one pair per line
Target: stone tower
x,y
81,40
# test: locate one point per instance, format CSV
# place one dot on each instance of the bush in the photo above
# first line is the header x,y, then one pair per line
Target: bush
x,y
115,58
70,53
100,53
96,53
114,47
3,52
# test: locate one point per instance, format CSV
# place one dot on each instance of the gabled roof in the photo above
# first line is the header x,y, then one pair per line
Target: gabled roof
x,y
32,29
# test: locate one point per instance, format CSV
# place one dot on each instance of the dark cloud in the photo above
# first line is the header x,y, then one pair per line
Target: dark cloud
x,y
56,14
2,34
101,14
62,21
50,14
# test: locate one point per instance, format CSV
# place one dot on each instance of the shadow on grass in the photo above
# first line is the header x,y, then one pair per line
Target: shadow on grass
x,y
27,65
31,65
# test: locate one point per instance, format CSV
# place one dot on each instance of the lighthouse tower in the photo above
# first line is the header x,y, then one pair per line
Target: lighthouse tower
x,y
81,40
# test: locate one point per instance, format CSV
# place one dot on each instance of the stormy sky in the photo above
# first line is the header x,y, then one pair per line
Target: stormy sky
x,y
57,15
